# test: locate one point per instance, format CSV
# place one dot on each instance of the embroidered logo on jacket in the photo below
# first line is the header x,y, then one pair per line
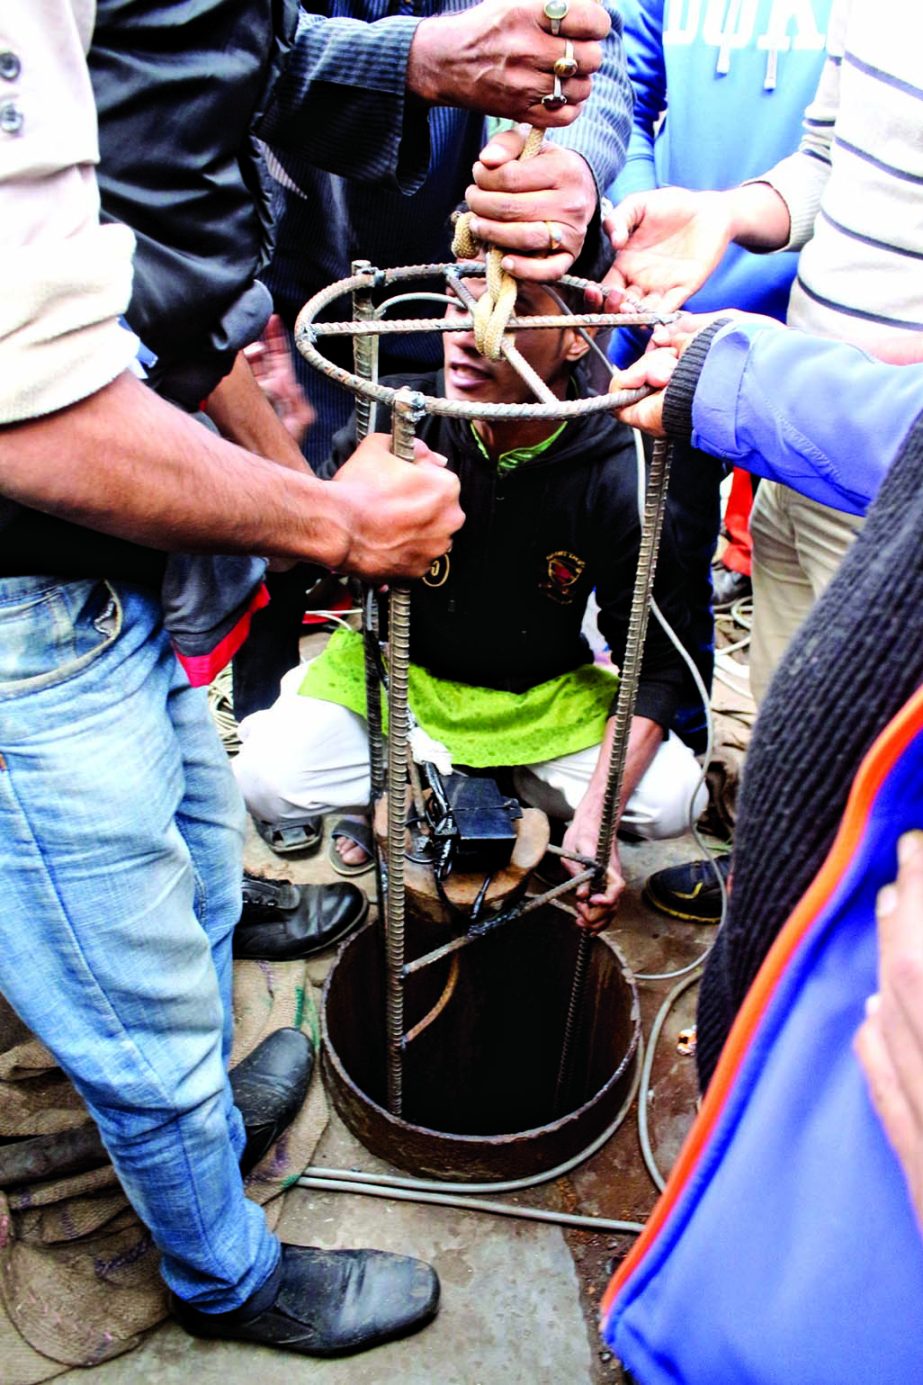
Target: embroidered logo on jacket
x,y
562,573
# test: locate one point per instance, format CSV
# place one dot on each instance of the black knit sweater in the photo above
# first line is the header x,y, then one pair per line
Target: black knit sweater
x,y
849,670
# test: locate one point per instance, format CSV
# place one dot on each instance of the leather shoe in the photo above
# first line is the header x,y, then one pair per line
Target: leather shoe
x,y
327,1303
269,1087
728,586
282,922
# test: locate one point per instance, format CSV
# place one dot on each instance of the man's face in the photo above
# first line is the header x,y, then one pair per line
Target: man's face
x,y
471,376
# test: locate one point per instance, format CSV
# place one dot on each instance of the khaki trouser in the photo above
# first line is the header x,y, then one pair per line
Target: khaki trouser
x,y
798,544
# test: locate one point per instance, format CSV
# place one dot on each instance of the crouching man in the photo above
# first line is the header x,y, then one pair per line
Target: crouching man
x,y
501,672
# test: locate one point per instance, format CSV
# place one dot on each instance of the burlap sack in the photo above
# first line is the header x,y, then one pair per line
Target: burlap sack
x,y
79,1278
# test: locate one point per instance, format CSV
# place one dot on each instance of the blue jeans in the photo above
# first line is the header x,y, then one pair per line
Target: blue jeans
x,y
120,874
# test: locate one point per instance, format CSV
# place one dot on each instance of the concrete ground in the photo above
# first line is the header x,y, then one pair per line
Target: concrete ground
x,y
519,1299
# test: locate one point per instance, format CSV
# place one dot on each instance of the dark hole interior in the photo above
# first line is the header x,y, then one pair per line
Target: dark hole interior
x,y
488,1064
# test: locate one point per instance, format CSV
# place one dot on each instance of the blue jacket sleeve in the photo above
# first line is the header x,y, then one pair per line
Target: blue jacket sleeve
x,y
819,416
643,20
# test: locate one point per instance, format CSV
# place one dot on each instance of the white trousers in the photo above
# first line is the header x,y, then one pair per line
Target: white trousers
x,y
303,757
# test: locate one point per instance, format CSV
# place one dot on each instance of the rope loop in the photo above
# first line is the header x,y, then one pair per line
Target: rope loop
x,y
496,305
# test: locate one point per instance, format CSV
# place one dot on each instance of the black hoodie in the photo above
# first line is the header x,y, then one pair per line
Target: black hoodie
x,y
505,607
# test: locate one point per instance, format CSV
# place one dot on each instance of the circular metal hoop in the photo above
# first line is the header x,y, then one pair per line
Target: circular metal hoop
x,y
308,330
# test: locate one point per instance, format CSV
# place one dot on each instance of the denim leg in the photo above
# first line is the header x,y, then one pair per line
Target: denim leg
x,y
119,879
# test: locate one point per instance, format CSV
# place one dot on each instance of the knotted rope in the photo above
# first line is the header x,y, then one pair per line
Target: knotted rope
x,y
496,304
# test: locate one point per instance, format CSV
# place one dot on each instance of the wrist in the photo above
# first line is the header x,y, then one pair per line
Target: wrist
x,y
321,523
758,216
426,60
679,395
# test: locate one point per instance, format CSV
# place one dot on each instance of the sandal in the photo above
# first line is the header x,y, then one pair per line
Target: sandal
x,y
356,830
291,838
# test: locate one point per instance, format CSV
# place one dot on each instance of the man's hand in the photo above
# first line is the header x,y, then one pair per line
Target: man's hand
x,y
667,242
655,368
498,57
595,908
519,206
398,518
651,371
270,360
889,1044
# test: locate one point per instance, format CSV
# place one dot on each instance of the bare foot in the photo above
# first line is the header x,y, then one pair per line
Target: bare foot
x,y
350,853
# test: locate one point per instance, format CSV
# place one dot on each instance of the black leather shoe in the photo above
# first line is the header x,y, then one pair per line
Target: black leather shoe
x,y
280,921
728,586
328,1303
270,1086
689,892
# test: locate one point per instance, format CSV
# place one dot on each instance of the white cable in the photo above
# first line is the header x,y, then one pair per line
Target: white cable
x,y
444,1193
643,1136
497,1209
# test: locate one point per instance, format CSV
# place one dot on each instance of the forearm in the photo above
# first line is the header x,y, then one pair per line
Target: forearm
x,y
242,414
644,740
343,102
833,440
757,216
129,464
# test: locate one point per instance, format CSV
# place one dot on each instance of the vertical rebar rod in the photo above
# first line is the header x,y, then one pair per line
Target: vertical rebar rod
x,y
629,676
365,359
407,408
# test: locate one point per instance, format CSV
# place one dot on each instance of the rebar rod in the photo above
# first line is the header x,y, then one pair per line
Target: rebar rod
x,y
406,410
365,357
395,326
306,329
480,930
629,677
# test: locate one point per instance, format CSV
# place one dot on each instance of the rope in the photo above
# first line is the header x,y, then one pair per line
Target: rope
x,y
495,306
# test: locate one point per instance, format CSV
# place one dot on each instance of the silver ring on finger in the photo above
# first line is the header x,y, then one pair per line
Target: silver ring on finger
x,y
556,12
566,65
555,98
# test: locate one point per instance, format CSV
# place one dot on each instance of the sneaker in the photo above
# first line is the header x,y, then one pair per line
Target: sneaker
x,y
689,891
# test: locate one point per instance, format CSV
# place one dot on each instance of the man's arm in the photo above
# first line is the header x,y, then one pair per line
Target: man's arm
x,y
515,201
243,414
127,463
354,96
820,416
800,179
669,240
596,907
